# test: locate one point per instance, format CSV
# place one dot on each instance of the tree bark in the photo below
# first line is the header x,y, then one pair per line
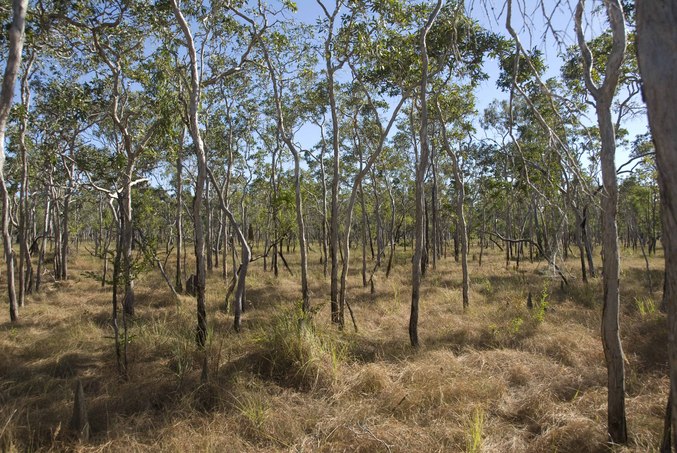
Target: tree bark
x,y
178,280
420,183
241,273
13,63
603,96
25,266
286,137
657,53
201,331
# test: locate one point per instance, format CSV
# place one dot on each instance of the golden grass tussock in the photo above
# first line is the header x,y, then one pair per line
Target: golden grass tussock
x,y
497,378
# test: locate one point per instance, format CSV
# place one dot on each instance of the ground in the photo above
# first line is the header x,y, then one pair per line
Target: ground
x,y
498,378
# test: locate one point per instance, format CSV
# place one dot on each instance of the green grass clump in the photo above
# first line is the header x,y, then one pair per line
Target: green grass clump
x,y
476,426
298,351
645,306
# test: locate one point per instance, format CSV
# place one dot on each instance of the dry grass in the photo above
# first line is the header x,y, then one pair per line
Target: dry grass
x,y
498,378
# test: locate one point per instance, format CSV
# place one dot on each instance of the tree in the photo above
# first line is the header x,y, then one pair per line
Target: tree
x,y
287,137
603,95
16,41
332,65
421,170
657,53
194,121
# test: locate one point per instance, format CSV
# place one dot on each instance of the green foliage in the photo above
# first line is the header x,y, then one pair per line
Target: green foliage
x,y
542,304
520,68
516,325
600,46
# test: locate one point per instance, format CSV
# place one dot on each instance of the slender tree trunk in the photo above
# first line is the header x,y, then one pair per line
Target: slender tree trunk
x,y
334,227
13,63
305,297
603,95
380,249
43,243
433,203
178,280
56,230
586,242
208,229
201,333
126,241
389,266
581,246
241,273
325,252
463,232
25,267
420,183
364,235
461,226
65,233
657,35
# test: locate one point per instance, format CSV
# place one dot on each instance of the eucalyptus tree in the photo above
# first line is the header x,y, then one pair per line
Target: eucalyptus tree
x,y
334,60
12,66
118,35
213,56
657,35
25,275
283,54
601,83
421,170
441,59
459,184
603,94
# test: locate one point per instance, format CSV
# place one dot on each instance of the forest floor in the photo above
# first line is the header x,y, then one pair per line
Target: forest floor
x,y
499,378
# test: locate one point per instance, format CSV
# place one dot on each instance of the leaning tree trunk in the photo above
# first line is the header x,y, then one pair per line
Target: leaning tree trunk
x,y
603,96
657,52
13,63
240,274
420,183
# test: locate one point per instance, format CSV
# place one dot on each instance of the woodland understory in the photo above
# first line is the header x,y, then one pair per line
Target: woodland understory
x,y
497,378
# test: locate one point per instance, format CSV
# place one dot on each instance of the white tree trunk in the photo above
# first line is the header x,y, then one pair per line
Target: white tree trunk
x,y
201,334
420,183
16,41
603,95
